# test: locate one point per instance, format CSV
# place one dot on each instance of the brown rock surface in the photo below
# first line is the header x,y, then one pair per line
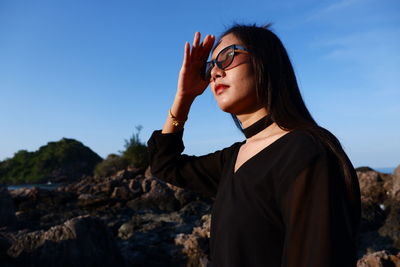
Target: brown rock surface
x,y
196,244
371,186
82,241
380,259
396,184
157,224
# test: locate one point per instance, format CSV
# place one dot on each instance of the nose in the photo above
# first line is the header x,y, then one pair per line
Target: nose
x,y
217,73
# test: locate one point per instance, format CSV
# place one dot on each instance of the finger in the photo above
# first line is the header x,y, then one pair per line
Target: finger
x,y
209,42
196,39
207,45
206,40
186,54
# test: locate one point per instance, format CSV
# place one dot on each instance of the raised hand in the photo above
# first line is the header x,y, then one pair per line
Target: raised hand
x,y
190,82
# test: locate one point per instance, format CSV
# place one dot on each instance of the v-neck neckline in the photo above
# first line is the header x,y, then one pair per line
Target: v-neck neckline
x,y
268,147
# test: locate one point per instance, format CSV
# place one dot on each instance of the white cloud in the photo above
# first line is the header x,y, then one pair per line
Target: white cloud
x,y
334,9
373,55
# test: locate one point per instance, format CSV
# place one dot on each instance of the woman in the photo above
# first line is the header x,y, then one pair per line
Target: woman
x,y
287,195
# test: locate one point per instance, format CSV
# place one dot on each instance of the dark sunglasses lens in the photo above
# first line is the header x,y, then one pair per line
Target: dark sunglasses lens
x,y
207,71
225,58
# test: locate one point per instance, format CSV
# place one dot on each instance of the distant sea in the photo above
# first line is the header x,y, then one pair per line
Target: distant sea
x,y
385,170
43,186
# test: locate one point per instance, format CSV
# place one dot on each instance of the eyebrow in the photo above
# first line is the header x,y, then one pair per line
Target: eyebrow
x,y
215,46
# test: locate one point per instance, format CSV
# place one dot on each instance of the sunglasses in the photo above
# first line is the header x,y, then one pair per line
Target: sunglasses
x,y
223,60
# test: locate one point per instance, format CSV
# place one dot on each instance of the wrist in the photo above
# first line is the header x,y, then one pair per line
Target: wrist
x,y
184,100
175,121
185,97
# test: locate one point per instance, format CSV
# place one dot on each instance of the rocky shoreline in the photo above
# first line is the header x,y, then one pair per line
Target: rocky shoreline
x,y
134,219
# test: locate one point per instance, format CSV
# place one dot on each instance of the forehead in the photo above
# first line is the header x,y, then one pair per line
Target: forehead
x,y
227,40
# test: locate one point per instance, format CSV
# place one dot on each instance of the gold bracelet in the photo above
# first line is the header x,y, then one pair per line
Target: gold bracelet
x,y
176,122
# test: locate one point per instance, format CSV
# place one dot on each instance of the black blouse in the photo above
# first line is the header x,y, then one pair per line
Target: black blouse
x,y
285,206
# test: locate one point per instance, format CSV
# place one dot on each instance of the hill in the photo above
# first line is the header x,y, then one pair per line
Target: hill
x,y
65,160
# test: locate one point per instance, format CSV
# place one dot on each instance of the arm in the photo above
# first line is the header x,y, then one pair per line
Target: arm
x,y
190,82
320,223
199,174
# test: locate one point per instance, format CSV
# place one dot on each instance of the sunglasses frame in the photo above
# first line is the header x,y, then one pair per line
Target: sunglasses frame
x,y
209,65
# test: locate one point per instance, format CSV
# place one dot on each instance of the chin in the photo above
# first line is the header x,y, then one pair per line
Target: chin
x,y
227,108
237,108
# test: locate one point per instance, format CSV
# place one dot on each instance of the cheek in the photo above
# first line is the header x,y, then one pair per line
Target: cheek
x,y
246,83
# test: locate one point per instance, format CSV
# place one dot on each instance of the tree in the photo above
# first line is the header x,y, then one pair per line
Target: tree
x,y
134,155
136,151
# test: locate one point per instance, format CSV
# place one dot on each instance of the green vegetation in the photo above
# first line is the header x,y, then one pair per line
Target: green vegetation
x,y
64,160
111,165
68,159
134,155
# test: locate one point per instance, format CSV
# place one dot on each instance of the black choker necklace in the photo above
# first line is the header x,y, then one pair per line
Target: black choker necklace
x,y
258,126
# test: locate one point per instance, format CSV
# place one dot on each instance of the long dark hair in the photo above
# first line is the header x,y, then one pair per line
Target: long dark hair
x,y
278,91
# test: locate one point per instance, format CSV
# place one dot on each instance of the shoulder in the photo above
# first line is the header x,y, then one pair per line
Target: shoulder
x,y
300,143
300,149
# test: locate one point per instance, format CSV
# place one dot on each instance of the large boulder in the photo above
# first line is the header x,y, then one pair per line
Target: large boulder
x,y
371,186
81,241
30,199
380,221
372,199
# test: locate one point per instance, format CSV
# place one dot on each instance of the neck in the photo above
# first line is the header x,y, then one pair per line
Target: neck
x,y
248,119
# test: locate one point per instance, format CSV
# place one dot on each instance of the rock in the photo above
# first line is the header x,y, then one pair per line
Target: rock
x,y
391,227
146,184
91,200
128,173
28,198
380,222
372,200
135,186
371,186
157,196
154,223
121,192
396,184
82,241
7,212
184,196
126,231
196,244
30,194
364,169
379,259
148,173
151,241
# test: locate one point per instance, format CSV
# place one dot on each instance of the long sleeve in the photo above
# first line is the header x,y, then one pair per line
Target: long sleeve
x,y
200,174
320,220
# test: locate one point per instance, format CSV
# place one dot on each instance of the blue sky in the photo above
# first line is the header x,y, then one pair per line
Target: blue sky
x,y
93,70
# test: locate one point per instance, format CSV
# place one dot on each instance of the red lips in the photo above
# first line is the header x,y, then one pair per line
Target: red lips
x,y
219,88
